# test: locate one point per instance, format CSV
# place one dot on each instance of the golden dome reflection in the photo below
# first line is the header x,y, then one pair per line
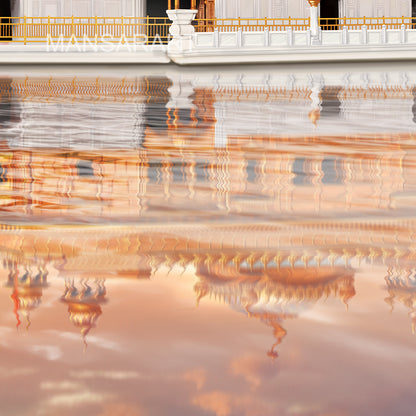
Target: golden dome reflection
x,y
84,300
401,287
273,295
27,286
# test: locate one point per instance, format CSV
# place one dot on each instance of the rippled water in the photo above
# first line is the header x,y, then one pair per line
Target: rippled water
x,y
208,242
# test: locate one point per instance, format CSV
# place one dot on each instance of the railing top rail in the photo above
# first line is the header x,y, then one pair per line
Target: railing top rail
x,y
85,17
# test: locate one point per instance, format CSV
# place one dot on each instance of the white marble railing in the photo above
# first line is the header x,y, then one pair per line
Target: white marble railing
x,y
185,37
290,38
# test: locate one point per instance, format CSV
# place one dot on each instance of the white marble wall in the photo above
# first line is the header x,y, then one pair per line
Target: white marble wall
x,y
223,8
376,8
261,8
300,8
84,8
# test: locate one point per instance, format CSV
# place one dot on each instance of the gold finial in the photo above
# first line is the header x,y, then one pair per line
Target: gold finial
x,y
314,3
314,116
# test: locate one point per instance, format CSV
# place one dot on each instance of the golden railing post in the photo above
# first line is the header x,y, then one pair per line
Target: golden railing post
x,y
177,6
147,29
72,31
122,29
49,30
24,30
96,30
193,5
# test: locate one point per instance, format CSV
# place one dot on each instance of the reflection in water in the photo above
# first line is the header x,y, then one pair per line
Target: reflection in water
x,y
401,287
84,301
266,200
414,105
273,293
27,289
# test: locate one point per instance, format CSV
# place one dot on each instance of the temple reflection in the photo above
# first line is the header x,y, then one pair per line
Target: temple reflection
x,y
27,286
180,145
271,293
271,215
401,287
271,275
84,299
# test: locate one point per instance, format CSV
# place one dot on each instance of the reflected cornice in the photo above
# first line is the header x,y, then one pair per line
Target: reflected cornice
x,y
401,287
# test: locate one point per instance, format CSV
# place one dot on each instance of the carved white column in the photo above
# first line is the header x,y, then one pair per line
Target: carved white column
x,y
181,30
314,24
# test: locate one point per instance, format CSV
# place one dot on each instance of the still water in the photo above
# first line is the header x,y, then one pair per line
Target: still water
x,y
208,242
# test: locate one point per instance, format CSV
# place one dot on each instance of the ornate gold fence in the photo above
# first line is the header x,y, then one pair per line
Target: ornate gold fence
x,y
151,30
250,25
356,23
76,29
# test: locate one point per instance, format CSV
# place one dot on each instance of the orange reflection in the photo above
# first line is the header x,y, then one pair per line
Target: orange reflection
x,y
271,224
272,293
27,289
84,300
401,287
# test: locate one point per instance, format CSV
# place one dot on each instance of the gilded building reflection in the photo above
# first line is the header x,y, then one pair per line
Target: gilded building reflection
x,y
272,274
273,293
84,300
27,288
401,287
269,222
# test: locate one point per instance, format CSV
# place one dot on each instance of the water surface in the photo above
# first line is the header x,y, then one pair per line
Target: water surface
x,y
208,242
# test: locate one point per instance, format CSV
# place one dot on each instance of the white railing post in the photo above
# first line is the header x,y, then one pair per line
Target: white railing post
x,y
216,38
384,34
240,37
266,37
364,35
314,22
345,35
403,34
289,33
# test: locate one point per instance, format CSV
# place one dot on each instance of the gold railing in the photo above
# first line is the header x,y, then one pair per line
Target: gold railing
x,y
156,29
251,25
372,23
76,29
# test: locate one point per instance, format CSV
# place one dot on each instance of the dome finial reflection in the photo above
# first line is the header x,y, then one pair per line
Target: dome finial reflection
x,y
84,300
27,290
314,116
401,287
272,292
